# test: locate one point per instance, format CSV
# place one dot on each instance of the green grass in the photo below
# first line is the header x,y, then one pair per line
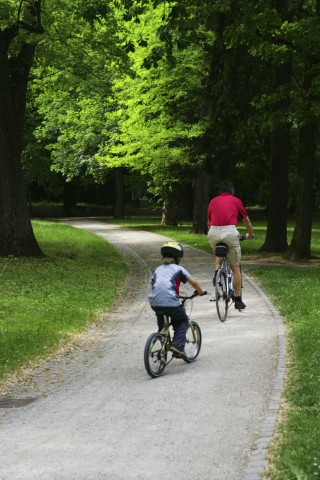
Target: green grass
x,y
295,290
44,301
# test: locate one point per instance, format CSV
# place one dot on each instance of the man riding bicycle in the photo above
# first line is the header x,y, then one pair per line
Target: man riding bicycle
x,y
223,213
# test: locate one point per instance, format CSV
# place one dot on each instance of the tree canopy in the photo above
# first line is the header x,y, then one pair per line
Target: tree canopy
x,y
182,93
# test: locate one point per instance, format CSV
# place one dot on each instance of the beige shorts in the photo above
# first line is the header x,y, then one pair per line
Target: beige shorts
x,y
230,236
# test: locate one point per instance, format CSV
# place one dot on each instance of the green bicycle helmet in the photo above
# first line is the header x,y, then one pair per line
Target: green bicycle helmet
x,y
172,250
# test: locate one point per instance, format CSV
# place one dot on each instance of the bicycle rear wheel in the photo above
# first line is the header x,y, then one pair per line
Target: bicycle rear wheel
x,y
221,295
193,342
155,355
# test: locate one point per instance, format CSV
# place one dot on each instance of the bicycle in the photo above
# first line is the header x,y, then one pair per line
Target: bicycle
x,y
158,344
223,282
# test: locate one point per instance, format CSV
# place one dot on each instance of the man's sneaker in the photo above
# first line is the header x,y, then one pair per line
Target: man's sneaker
x,y
239,305
177,351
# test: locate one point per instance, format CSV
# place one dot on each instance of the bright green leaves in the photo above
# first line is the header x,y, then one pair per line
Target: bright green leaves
x,y
77,63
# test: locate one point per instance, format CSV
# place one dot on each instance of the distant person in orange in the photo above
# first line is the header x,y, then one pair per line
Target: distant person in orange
x,y
223,213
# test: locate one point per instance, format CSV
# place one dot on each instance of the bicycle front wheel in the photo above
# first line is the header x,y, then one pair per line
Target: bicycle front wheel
x,y
221,295
193,342
155,355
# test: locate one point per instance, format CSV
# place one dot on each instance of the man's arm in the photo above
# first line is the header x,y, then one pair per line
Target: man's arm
x,y
249,227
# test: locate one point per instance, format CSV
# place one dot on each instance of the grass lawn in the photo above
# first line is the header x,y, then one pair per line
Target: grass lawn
x,y
45,301
295,290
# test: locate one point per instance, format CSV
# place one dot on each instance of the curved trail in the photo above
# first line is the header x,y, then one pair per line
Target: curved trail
x,y
98,415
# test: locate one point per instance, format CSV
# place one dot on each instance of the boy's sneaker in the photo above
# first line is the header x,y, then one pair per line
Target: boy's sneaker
x,y
177,351
239,305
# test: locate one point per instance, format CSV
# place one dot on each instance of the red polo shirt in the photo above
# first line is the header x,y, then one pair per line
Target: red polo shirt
x,y
225,210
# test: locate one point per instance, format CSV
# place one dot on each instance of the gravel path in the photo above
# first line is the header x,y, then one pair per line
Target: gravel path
x,y
98,415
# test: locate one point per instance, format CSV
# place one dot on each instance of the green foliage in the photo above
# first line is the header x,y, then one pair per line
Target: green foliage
x,y
8,12
160,115
77,61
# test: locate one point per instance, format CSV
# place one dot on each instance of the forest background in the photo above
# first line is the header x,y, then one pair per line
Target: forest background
x,y
156,101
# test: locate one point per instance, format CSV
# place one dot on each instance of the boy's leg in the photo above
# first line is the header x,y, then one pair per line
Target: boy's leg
x,y
160,317
180,323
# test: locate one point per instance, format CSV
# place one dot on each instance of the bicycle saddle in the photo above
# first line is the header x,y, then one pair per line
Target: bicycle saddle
x,y
221,250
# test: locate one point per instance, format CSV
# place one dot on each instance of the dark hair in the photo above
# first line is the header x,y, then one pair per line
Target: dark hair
x,y
227,186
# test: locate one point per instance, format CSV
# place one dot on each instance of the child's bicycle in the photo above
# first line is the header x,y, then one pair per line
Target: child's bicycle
x,y
157,348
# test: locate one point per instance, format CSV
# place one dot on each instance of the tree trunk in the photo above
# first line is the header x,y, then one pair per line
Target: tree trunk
x,y
69,198
169,210
276,236
16,234
300,247
119,200
201,201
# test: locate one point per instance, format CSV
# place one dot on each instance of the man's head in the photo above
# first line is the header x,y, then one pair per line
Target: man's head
x,y
226,187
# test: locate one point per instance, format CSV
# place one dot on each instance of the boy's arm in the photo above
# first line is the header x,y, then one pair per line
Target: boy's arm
x,y
196,286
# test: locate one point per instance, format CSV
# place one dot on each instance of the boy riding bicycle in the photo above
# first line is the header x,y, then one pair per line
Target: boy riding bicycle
x,y
164,296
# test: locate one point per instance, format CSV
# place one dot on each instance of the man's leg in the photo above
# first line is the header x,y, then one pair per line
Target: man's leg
x,y
237,282
218,262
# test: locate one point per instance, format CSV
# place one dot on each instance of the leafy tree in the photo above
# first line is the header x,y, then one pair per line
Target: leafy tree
x,y
71,90
158,116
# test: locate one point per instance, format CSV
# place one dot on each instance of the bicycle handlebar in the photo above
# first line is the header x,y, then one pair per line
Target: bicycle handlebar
x,y
190,297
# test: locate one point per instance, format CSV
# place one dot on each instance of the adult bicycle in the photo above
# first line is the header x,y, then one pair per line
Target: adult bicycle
x,y
223,282
157,354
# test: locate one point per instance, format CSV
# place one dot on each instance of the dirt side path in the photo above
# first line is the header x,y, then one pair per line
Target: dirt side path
x,y
98,415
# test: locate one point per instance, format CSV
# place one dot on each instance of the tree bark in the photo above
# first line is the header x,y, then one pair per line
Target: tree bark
x,y
276,236
169,210
118,211
201,201
16,234
69,198
300,247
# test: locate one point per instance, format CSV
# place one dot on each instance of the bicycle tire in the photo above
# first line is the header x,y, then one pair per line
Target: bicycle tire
x,y
155,355
221,295
193,342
